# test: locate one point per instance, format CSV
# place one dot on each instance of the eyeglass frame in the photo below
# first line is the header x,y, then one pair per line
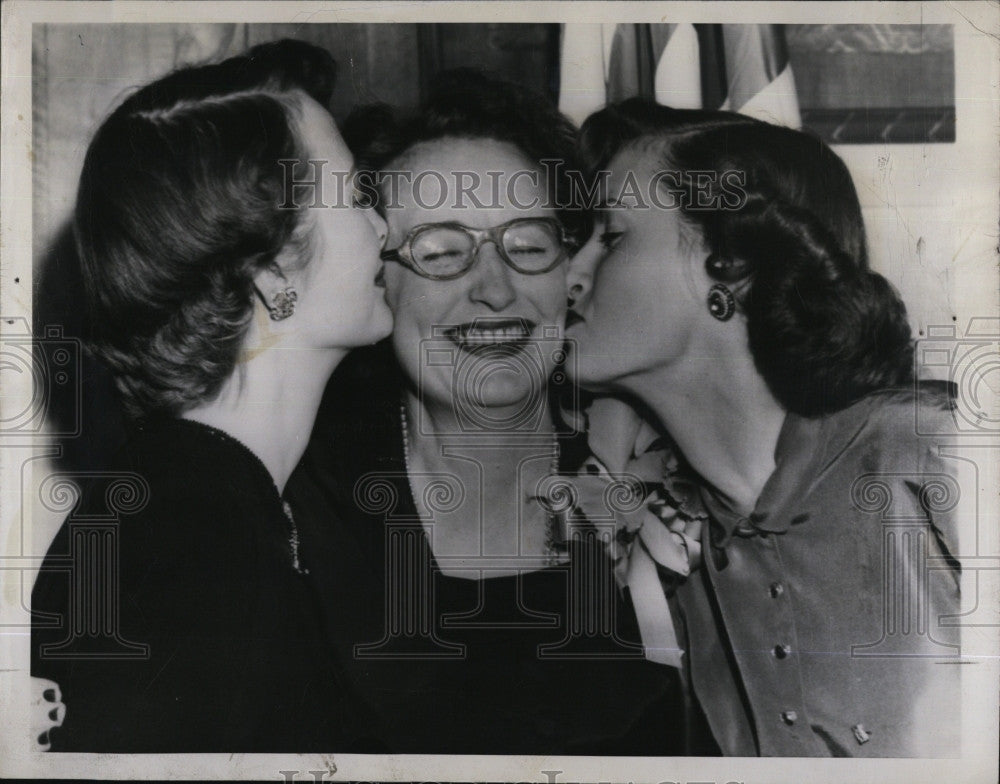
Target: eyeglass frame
x,y
402,254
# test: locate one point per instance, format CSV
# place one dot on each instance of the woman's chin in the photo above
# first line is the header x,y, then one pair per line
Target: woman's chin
x,y
504,406
588,371
510,396
382,321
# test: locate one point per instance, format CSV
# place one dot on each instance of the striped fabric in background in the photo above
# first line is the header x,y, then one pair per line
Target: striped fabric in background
x,y
744,68
857,84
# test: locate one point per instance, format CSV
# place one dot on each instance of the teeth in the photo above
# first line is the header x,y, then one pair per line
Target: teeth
x,y
483,337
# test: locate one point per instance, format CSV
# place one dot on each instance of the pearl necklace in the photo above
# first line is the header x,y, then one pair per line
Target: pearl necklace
x,y
556,547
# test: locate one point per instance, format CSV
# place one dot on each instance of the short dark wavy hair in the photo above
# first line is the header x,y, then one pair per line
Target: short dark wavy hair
x,y
824,329
470,104
178,209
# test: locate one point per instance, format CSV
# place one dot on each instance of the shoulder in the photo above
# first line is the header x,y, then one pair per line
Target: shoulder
x,y
894,424
181,503
926,408
891,446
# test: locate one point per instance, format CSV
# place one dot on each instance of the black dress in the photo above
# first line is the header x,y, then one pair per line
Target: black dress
x,y
170,614
504,665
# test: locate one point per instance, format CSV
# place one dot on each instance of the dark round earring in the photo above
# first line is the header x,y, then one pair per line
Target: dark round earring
x,y
721,302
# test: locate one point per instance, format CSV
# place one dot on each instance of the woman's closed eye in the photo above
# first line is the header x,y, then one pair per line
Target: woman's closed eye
x,y
610,239
443,254
524,250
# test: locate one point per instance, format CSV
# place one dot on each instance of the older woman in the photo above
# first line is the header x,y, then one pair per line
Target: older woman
x,y
738,310
470,614
221,314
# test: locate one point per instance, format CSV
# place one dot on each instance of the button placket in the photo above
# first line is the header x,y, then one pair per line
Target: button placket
x,y
754,587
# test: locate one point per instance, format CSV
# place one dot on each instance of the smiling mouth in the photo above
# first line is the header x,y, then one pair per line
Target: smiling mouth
x,y
573,318
380,277
506,332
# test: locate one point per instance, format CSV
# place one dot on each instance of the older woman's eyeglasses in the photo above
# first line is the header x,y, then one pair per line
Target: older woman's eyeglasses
x,y
443,251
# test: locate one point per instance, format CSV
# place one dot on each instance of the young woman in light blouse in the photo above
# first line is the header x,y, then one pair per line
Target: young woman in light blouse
x,y
739,312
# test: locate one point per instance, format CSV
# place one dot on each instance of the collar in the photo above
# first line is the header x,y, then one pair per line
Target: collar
x,y
777,508
806,448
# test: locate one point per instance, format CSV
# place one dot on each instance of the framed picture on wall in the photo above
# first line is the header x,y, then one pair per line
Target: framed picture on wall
x,y
874,84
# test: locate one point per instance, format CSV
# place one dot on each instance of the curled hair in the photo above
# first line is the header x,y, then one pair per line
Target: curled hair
x,y
824,329
469,104
178,210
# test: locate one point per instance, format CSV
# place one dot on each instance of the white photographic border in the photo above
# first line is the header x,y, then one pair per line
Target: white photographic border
x,y
976,292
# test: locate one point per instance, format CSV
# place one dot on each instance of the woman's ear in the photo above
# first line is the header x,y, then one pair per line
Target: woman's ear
x,y
726,269
730,277
276,292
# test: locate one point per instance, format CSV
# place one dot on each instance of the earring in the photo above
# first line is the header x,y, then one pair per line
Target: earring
x,y
283,304
721,302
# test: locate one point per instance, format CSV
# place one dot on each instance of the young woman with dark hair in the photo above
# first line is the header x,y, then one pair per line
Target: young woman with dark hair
x,y
221,314
466,611
746,323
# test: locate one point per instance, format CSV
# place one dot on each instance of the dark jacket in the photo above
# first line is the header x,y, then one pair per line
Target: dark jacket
x,y
169,612
460,666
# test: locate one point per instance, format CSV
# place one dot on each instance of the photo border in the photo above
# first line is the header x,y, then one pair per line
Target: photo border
x,y
976,287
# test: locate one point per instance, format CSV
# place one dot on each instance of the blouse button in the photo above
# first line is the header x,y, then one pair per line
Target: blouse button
x,y
781,651
789,717
744,528
861,734
776,589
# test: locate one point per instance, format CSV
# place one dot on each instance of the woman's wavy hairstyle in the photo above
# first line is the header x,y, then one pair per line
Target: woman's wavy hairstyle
x,y
824,330
469,104
178,209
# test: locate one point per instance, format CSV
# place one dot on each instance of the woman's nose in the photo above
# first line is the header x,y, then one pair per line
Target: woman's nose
x,y
580,277
379,224
492,285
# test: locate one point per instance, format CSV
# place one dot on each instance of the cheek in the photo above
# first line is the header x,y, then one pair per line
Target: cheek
x,y
628,281
411,298
418,304
614,286
395,287
553,309
548,293
627,308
